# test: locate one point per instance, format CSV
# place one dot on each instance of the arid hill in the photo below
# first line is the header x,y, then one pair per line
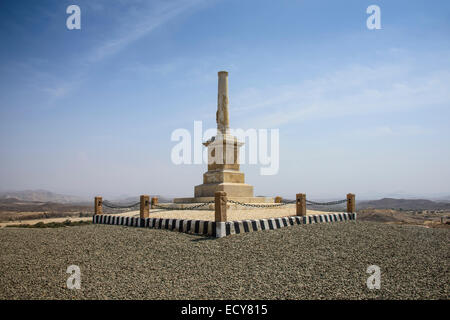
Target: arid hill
x,y
40,196
17,209
404,204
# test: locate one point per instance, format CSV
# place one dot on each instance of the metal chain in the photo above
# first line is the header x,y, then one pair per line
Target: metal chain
x,y
117,206
187,208
258,205
330,203
284,203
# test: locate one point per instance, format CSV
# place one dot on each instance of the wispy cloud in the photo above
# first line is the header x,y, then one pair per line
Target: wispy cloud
x,y
387,131
137,20
57,91
136,25
355,90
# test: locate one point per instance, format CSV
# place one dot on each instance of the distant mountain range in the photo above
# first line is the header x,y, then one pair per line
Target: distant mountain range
x,y
47,196
405,204
40,196
126,200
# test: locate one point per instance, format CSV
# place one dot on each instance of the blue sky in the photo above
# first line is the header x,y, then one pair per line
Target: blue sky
x,y
91,111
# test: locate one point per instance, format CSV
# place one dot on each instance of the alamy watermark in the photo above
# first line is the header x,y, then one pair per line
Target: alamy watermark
x,y
74,20
374,281
74,281
374,20
189,148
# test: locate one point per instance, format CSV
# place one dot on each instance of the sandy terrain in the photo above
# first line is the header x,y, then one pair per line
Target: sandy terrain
x,y
48,220
232,214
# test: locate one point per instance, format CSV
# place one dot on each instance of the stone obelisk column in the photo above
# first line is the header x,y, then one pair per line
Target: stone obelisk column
x,y
222,118
223,159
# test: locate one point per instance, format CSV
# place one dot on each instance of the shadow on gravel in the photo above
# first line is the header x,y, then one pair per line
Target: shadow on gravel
x,y
203,239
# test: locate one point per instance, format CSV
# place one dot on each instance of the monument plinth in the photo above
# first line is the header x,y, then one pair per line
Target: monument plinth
x,y
223,159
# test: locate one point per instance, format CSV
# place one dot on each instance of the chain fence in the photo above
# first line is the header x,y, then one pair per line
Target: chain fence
x,y
260,205
185,208
111,205
330,203
286,202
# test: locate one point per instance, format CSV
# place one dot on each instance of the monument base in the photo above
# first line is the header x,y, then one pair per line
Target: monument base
x,y
240,199
232,189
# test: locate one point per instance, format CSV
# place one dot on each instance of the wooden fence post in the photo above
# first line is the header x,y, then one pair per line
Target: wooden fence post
x,y
220,206
300,204
351,205
98,205
144,208
154,202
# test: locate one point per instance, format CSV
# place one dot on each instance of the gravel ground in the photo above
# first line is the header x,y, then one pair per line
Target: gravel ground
x,y
321,261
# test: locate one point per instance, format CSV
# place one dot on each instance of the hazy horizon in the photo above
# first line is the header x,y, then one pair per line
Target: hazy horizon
x,y
90,112
361,197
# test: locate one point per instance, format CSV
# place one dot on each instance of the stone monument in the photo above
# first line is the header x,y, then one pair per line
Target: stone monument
x,y
223,159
